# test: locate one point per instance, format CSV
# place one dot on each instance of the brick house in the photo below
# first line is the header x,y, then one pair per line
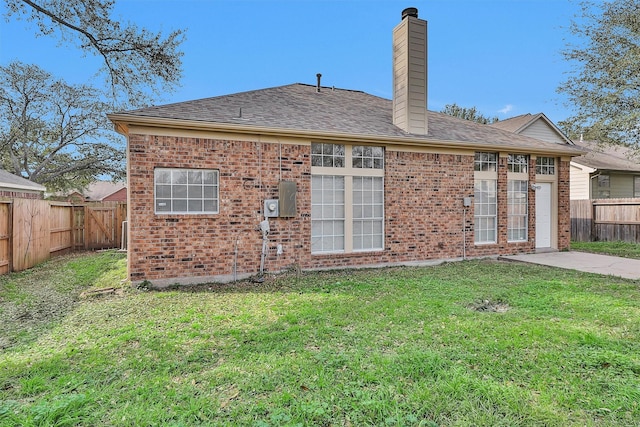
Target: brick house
x,y
339,177
14,186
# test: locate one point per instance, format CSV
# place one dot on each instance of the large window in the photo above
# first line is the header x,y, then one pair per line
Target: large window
x,y
182,191
327,213
485,195
517,209
485,210
368,208
347,198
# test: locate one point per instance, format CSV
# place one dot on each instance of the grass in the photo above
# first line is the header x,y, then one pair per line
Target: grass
x,y
483,343
622,249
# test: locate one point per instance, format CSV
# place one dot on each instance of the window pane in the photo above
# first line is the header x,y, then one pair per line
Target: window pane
x,y
163,176
179,176
195,192
163,191
179,206
179,191
195,177
163,205
195,205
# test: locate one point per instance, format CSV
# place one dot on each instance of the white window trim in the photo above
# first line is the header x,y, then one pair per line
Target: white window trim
x,y
519,177
348,171
488,176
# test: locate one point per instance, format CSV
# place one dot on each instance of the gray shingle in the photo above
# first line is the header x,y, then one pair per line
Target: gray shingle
x,y
300,107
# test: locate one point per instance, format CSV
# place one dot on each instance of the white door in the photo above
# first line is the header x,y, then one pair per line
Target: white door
x,y
543,215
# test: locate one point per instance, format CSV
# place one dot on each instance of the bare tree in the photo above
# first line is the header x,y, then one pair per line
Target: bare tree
x,y
138,64
54,133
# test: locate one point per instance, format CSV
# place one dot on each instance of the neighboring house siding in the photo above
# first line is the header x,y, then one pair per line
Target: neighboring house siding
x,y
579,184
541,130
423,210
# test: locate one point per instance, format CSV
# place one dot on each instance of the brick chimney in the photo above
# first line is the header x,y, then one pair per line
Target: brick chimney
x,y
410,73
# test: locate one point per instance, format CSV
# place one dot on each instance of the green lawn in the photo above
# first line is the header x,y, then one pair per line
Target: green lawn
x,y
623,249
483,343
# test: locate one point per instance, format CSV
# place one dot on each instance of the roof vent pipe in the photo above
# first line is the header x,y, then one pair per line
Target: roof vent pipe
x,y
410,11
318,85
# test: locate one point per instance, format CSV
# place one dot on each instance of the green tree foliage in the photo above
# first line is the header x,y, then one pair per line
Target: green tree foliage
x,y
139,65
604,85
471,114
54,133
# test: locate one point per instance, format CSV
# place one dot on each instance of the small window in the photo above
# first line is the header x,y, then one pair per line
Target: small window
x,y
636,186
186,191
486,162
327,155
604,187
545,166
518,163
367,157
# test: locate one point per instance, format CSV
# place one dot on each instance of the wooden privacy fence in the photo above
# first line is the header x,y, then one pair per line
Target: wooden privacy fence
x,y
605,220
31,231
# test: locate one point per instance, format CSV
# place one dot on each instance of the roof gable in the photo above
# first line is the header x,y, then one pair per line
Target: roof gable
x,y
533,125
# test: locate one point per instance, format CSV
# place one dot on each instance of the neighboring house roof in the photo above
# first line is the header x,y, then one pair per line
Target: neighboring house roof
x,y
18,183
612,158
99,190
299,109
519,124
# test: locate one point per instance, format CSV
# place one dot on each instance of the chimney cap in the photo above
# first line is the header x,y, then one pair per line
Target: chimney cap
x,y
410,11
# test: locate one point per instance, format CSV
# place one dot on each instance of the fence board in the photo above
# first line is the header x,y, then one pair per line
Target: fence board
x,y
5,236
605,220
61,228
30,233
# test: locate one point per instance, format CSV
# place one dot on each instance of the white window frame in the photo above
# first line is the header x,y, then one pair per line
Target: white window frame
x,y
187,193
357,214
545,165
517,209
485,174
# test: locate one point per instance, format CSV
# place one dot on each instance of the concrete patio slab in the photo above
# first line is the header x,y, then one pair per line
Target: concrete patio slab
x,y
583,261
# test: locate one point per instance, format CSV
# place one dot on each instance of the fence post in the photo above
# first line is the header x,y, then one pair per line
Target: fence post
x,y
594,228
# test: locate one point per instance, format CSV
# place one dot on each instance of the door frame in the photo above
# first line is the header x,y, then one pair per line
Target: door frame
x,y
553,206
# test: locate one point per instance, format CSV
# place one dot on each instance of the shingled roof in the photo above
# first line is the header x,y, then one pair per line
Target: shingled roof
x,y
610,158
302,109
9,180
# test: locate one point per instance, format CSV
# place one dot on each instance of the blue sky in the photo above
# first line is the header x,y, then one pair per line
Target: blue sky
x,y
501,56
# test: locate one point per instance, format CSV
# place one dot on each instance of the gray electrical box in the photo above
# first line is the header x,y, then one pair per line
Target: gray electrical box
x,y
287,193
271,208
466,202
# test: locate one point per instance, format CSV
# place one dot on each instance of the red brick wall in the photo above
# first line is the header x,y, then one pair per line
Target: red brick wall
x,y
21,195
118,196
564,211
423,210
